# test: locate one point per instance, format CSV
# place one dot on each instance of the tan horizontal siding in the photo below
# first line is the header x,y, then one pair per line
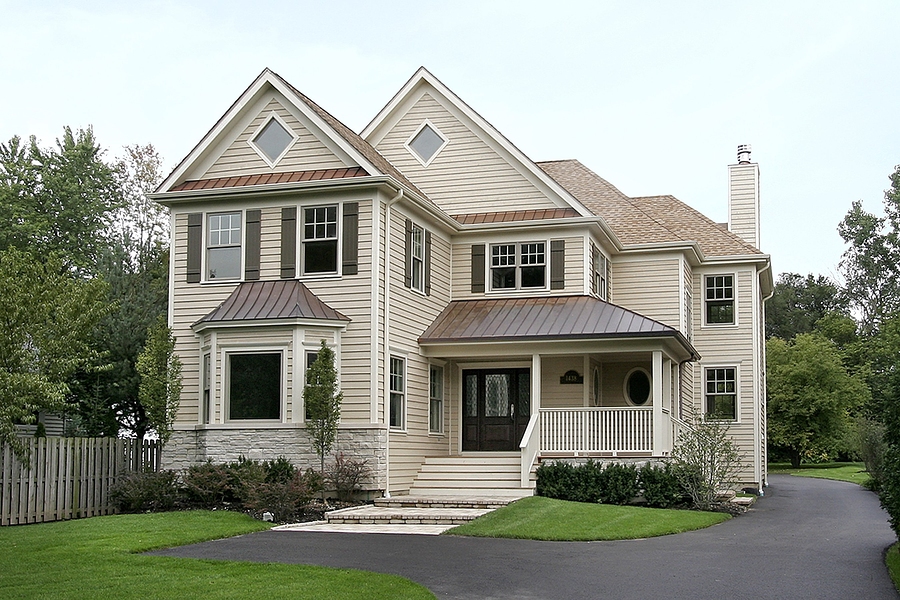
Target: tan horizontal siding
x,y
468,175
649,286
306,154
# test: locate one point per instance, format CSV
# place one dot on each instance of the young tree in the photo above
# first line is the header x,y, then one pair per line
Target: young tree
x,y
705,460
323,403
810,396
46,318
160,373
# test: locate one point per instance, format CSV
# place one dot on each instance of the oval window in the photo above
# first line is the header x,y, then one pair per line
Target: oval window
x,y
637,387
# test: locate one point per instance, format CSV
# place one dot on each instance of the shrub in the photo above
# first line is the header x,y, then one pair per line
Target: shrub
x,y
661,487
871,448
345,476
282,498
279,470
555,480
207,485
706,461
618,484
145,491
244,475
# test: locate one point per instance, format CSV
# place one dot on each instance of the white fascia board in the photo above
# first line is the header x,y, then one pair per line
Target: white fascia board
x,y
267,77
592,220
691,250
510,349
295,322
379,126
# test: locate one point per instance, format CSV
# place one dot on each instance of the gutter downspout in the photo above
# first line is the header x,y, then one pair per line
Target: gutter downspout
x,y
763,481
387,337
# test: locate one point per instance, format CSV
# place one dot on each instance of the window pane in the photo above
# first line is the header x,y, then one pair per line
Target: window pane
x,y
273,139
496,395
426,143
638,388
720,312
533,277
255,386
397,387
436,400
320,257
224,263
504,278
471,395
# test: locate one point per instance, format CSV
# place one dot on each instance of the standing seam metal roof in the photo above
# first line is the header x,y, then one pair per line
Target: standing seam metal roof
x,y
260,300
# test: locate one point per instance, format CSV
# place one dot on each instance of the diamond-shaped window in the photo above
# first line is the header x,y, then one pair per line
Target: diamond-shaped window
x,y
426,143
273,139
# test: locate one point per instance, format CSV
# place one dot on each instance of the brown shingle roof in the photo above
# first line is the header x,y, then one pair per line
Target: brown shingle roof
x,y
269,178
653,219
516,215
554,318
283,299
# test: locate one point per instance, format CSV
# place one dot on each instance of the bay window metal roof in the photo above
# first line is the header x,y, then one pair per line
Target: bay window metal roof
x,y
283,299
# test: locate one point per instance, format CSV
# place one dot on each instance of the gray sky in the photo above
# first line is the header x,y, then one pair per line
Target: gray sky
x,y
653,96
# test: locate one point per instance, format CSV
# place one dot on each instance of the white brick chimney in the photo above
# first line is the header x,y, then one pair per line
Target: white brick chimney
x,y
743,197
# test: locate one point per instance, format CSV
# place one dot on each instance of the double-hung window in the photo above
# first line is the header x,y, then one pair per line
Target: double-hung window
x,y
600,269
436,399
719,299
223,248
320,240
518,266
721,393
398,392
417,257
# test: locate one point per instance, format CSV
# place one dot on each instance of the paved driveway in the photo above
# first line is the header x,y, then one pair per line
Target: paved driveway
x,y
808,538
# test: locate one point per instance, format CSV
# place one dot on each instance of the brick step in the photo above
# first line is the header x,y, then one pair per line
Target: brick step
x,y
377,515
483,502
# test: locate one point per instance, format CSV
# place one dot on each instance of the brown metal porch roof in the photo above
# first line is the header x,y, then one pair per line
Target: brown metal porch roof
x,y
556,318
283,299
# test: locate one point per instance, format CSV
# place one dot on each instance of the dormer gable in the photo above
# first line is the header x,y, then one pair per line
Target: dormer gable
x,y
455,156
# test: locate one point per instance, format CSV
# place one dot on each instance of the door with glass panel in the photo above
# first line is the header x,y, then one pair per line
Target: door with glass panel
x,y
496,408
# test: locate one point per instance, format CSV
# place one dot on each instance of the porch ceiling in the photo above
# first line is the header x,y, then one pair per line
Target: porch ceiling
x,y
565,318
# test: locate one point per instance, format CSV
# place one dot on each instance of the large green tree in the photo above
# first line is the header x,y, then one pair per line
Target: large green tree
x,y
46,318
59,199
800,302
810,396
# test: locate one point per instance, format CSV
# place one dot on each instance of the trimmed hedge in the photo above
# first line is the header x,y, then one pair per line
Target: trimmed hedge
x,y
614,484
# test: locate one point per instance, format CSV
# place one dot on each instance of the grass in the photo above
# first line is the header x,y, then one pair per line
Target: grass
x,y
96,558
539,518
892,560
854,472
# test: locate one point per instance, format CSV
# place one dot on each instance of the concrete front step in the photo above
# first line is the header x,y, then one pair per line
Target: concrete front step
x,y
510,492
477,502
378,515
468,475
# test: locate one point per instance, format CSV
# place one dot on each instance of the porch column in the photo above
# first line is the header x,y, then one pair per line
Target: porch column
x,y
658,438
535,383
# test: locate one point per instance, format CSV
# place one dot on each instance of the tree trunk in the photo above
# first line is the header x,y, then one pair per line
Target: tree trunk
x,y
795,459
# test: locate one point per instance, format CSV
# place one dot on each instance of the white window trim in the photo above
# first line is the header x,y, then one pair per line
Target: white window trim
x,y
442,430
204,258
737,390
301,241
440,134
421,288
294,137
225,354
628,400
404,394
734,292
489,275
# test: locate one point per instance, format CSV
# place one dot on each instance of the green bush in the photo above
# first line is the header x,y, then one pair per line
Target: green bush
x,y
661,488
244,475
146,491
555,480
618,484
345,476
207,485
279,470
282,498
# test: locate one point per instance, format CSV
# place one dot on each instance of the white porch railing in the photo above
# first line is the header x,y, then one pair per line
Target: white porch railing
x,y
596,429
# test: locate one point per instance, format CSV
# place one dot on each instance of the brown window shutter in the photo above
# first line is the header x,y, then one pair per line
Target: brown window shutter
x,y
288,242
427,263
251,255
557,264
407,274
477,268
350,239
194,246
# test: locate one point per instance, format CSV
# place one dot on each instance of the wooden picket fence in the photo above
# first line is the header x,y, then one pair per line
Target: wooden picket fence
x,y
67,478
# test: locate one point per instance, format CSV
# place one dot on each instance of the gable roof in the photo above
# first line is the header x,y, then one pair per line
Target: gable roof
x,y
642,220
366,157
271,300
550,318
422,80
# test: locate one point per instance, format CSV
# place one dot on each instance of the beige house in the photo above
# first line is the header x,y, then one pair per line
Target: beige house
x,y
486,311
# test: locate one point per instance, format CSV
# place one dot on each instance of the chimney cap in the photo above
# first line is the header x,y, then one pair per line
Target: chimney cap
x,y
743,154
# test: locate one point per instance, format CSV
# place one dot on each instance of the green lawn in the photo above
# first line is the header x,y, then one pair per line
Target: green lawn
x,y
96,558
853,472
539,518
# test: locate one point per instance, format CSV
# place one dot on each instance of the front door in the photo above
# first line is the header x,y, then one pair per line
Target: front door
x,y
496,408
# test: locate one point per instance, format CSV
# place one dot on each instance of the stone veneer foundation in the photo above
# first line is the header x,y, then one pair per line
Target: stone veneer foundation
x,y
187,448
